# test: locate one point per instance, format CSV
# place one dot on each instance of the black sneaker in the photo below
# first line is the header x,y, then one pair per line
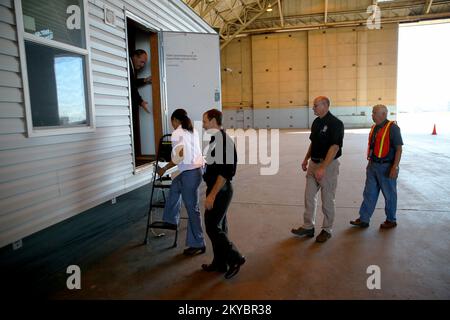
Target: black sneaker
x,y
234,267
303,232
163,225
359,223
193,251
214,268
323,236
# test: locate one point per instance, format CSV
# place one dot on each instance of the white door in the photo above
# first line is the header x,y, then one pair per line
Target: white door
x,y
192,63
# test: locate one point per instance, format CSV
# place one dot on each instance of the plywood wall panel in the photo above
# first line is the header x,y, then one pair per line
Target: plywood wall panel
x,y
237,74
353,66
279,69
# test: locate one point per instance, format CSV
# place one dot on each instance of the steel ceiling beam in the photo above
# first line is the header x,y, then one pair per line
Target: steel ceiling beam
x,y
248,19
280,12
427,7
393,10
194,3
351,23
211,5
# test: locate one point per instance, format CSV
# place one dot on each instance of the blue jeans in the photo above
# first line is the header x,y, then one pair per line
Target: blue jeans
x,y
185,186
377,178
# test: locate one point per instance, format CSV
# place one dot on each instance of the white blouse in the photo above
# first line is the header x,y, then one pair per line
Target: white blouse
x,y
192,154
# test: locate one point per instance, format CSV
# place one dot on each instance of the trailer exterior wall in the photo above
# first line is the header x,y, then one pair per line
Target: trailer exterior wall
x,y
45,180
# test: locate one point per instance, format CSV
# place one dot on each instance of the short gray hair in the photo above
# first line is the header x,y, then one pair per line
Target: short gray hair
x,y
380,107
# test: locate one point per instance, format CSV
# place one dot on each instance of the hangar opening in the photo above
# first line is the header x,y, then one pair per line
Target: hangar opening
x,y
423,68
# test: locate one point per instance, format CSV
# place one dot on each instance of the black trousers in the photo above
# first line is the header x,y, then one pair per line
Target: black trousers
x,y
216,227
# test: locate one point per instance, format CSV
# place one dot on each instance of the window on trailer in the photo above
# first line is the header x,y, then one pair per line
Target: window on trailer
x,y
55,54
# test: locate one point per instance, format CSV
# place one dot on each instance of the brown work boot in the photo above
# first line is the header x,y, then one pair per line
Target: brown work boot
x,y
359,223
323,236
388,224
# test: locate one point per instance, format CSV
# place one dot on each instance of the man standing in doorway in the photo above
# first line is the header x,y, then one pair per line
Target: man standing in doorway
x,y
327,135
383,153
137,62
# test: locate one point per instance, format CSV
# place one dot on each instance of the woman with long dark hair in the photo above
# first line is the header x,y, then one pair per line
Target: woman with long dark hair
x,y
187,155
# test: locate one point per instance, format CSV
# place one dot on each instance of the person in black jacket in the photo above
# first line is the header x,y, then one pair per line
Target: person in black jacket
x,y
221,163
137,62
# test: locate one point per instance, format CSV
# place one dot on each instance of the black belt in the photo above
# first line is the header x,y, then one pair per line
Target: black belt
x,y
193,169
381,161
316,160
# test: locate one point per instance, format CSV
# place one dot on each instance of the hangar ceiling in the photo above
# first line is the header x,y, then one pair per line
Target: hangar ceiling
x,y
235,18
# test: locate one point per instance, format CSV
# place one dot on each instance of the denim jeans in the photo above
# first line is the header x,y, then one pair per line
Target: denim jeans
x,y
185,186
377,178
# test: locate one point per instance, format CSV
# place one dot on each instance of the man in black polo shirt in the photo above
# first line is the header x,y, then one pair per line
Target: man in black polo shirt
x,y
327,134
221,163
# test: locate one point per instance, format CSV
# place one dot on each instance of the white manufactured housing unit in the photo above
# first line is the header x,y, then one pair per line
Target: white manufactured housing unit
x,y
66,123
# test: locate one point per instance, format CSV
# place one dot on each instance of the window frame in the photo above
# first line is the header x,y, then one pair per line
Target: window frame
x,y
23,36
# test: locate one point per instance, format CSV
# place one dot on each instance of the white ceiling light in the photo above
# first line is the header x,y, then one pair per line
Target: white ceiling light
x,y
269,8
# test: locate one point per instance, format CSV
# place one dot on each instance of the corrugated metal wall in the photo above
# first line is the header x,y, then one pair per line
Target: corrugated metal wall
x,y
44,180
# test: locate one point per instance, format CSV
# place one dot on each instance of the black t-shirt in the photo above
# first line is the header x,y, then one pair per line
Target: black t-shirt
x,y
394,141
325,132
221,158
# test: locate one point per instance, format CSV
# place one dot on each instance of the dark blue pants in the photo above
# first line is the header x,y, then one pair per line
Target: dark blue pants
x,y
216,227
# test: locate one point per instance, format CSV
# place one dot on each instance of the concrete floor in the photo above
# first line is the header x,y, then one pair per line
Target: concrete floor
x,y
414,258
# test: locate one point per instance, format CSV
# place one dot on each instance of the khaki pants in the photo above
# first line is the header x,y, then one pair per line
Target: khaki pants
x,y
327,187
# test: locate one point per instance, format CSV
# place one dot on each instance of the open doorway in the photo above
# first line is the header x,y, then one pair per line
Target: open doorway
x,y
423,98
146,125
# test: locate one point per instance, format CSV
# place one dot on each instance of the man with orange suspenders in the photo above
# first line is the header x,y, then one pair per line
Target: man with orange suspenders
x,y
383,153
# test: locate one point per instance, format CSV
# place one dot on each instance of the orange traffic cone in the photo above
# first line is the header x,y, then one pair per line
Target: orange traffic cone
x,y
434,130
